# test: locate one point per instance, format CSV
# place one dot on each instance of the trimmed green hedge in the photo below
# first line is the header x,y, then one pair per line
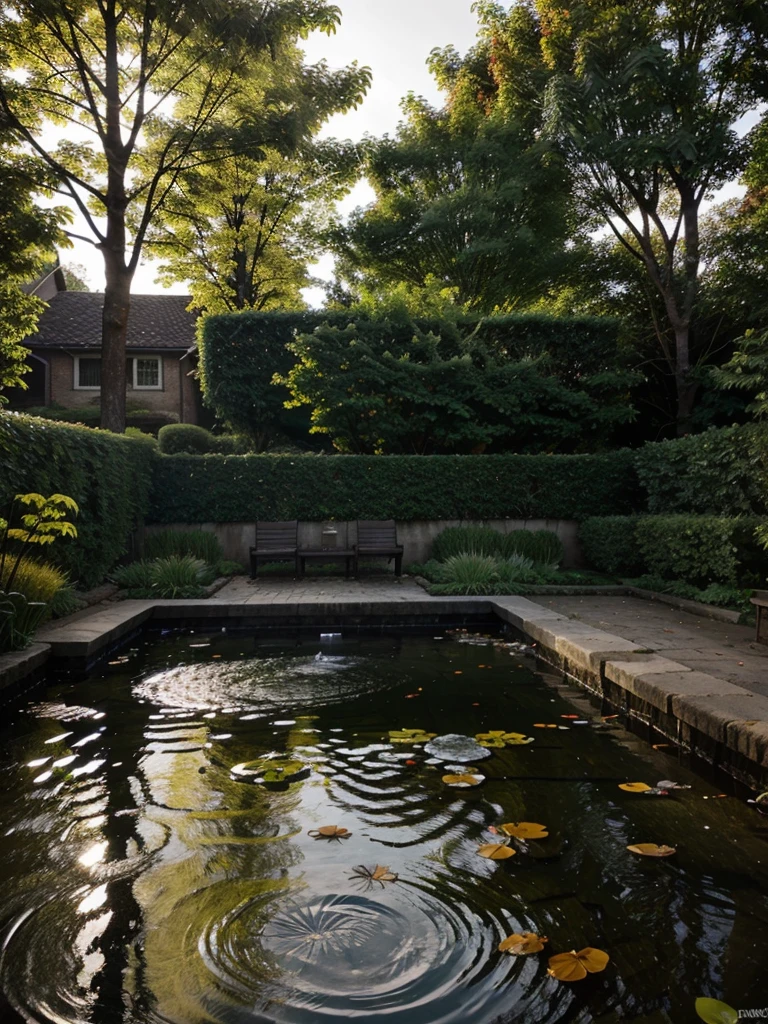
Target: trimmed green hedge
x,y
699,550
108,475
219,489
240,353
719,472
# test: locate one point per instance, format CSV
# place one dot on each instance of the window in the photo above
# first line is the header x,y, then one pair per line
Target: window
x,y
87,373
147,373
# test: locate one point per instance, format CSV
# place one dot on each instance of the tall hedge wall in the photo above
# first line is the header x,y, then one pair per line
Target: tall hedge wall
x,y
216,488
241,352
108,475
719,472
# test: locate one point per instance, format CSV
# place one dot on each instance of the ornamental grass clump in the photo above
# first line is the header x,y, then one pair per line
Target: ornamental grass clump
x,y
198,543
178,576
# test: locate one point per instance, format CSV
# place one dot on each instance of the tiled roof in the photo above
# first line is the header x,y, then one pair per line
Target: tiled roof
x,y
73,320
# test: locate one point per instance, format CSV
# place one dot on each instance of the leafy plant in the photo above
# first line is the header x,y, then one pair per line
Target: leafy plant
x,y
228,568
468,574
459,540
714,1011
179,576
37,581
199,543
136,576
64,602
543,547
184,437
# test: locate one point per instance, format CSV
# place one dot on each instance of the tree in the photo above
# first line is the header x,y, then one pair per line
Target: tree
x,y
389,388
642,101
116,74
27,235
243,231
468,197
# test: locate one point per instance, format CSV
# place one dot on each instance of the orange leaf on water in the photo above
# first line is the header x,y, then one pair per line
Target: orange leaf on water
x,y
575,966
463,780
652,850
544,725
495,851
520,944
329,832
525,830
635,787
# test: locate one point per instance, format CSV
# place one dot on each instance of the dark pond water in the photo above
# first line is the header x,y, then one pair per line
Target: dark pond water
x,y
144,881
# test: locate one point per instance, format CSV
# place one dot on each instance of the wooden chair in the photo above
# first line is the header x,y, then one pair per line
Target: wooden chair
x,y
377,538
275,542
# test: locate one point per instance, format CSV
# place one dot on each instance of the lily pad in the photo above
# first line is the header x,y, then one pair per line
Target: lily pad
x,y
329,832
525,830
463,781
409,736
272,770
455,747
522,944
495,851
575,966
652,850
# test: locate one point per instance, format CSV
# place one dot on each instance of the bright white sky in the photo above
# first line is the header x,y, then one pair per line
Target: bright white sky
x,y
393,38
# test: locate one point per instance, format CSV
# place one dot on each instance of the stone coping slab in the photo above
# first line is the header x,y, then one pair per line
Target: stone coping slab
x,y
17,666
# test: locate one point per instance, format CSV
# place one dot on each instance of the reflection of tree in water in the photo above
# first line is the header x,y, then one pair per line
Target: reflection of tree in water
x,y
219,878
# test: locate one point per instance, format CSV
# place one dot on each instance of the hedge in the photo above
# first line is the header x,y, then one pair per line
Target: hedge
x,y
241,352
216,488
108,475
719,472
699,550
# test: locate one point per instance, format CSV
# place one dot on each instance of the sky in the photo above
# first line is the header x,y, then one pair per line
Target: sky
x,y
393,38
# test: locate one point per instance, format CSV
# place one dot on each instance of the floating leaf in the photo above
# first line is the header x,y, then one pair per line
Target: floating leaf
x,y
410,736
514,739
329,832
635,787
525,942
570,716
380,873
713,1011
525,830
494,742
652,850
462,781
495,851
545,725
575,966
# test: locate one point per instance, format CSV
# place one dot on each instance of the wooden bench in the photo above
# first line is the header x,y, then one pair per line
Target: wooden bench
x,y
275,542
760,601
377,538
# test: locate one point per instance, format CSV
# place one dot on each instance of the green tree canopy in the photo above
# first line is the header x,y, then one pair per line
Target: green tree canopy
x,y
141,91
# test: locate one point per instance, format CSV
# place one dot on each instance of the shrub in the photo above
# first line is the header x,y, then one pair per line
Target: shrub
x,y
227,568
467,574
199,543
108,475
458,540
136,576
714,473
543,547
701,549
179,576
184,437
217,488
65,602
609,544
37,581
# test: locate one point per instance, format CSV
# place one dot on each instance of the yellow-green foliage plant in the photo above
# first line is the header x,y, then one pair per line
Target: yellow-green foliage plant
x,y
37,581
20,612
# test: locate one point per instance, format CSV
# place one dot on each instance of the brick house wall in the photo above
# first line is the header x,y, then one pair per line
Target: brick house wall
x,y
177,395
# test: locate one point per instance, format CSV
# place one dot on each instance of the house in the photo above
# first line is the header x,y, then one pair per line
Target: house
x,y
65,356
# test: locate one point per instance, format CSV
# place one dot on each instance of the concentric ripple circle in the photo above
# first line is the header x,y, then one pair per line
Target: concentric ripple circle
x,y
400,954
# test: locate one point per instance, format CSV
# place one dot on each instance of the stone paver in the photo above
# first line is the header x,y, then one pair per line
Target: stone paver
x,y
323,590
724,650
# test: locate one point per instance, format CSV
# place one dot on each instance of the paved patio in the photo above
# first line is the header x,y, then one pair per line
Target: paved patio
x,y
720,649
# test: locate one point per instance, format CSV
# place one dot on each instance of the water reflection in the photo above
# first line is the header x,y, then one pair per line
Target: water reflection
x,y
145,880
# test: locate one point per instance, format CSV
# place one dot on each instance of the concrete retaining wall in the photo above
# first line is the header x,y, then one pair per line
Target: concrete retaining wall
x,y
416,536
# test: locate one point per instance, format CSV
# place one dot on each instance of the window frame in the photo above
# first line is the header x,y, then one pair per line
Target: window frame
x,y
135,370
77,386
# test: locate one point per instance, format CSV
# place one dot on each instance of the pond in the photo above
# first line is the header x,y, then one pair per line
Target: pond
x,y
162,860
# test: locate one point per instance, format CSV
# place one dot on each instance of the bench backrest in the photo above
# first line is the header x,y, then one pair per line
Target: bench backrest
x,y
274,536
376,533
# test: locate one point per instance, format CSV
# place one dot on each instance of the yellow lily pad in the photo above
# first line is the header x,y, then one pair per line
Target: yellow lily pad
x,y
525,830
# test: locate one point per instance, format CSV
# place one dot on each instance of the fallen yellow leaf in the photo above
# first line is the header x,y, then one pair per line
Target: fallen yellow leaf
x,y
495,851
525,830
575,966
463,780
329,832
652,850
634,787
525,942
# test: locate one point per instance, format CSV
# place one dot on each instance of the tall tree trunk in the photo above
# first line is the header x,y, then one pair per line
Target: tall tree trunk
x,y
684,386
117,300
